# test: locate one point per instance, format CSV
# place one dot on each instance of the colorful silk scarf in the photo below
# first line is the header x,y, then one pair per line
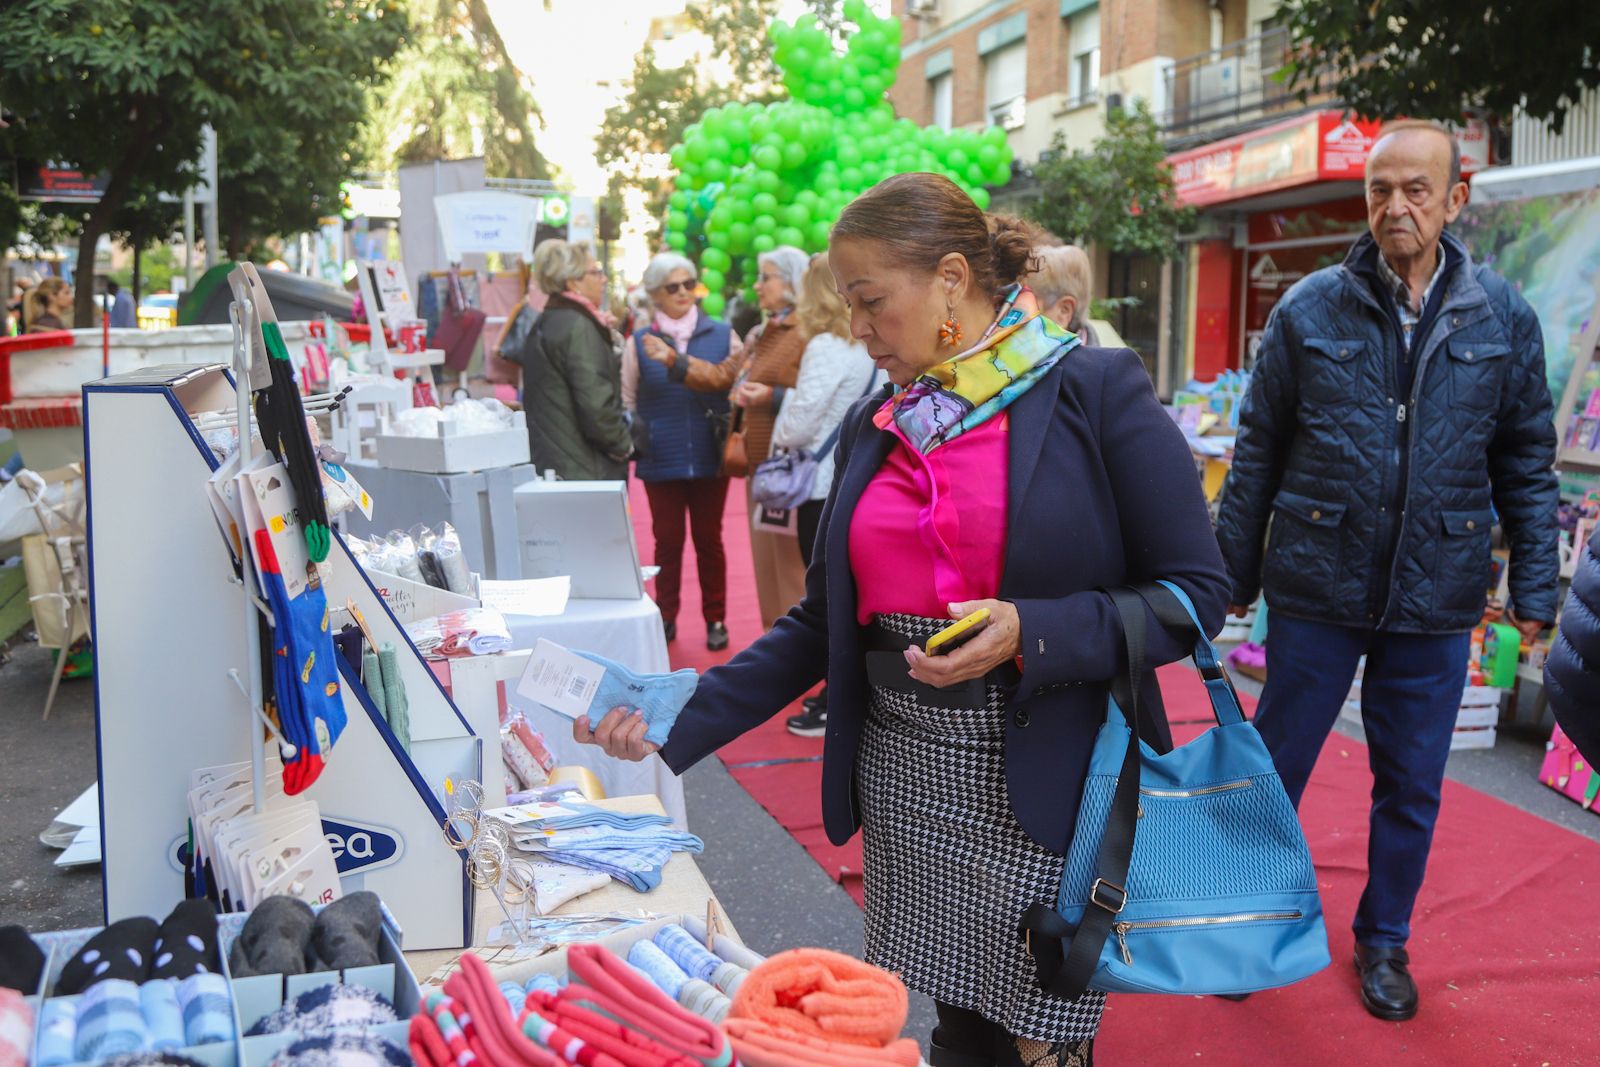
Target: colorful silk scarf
x,y
967,390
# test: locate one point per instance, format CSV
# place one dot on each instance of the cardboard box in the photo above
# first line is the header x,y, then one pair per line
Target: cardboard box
x,y
454,452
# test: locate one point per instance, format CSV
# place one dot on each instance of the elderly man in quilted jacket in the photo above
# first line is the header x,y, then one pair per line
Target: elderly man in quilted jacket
x,y
1397,411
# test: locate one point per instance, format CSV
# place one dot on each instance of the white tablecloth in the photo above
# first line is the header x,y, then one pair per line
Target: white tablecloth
x,y
628,631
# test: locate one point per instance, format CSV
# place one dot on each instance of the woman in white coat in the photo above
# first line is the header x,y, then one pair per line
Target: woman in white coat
x,y
835,371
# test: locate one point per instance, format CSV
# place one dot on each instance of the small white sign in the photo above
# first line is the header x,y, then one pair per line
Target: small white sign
x,y
560,680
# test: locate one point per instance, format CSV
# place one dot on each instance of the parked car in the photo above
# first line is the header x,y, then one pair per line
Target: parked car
x,y
158,311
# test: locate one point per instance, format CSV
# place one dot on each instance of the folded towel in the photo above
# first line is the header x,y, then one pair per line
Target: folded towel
x,y
604,1034
687,953
759,1045
486,1020
812,992
58,1032
110,1021
207,1009
611,986
658,967
163,1014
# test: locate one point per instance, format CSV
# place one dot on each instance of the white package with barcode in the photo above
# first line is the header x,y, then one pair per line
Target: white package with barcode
x,y
560,680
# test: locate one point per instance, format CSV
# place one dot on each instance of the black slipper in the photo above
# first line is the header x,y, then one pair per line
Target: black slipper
x,y
346,933
122,950
275,939
20,960
188,942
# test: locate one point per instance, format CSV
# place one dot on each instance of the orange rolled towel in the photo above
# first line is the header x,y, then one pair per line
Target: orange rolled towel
x,y
811,992
759,1045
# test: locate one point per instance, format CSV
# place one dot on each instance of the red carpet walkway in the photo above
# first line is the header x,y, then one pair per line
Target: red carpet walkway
x,y
1507,943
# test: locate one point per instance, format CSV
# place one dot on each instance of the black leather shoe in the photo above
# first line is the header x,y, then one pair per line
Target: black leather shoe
x,y
1387,989
1237,998
716,637
671,629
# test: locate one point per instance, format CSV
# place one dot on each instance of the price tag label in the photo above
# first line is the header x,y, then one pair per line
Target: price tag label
x,y
560,680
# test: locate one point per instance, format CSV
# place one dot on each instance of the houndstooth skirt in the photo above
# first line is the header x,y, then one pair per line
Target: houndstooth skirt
x,y
948,870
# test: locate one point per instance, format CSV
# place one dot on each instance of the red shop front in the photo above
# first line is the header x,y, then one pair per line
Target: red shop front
x,y
1289,196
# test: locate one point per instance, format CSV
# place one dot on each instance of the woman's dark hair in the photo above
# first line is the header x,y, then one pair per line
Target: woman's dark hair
x,y
918,219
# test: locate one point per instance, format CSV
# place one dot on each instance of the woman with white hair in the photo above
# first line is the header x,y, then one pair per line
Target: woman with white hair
x,y
1063,284
680,465
756,386
571,378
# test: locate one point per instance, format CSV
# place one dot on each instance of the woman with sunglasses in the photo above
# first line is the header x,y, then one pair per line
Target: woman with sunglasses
x,y
571,380
757,386
680,451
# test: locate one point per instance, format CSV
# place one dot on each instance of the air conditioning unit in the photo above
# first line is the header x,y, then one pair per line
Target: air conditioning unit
x,y
922,9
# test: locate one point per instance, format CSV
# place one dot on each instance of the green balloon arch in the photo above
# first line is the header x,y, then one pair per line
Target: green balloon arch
x,y
751,177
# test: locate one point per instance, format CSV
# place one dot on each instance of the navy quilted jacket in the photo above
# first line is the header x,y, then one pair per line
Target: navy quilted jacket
x,y
1381,500
1572,675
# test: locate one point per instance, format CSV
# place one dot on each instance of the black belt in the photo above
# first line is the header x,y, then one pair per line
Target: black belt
x,y
886,667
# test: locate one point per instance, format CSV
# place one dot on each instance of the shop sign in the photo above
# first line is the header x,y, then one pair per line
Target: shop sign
x,y
1345,145
486,222
59,182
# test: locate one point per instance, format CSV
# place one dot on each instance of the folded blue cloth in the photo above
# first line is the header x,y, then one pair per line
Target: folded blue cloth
x,y
110,1020
58,1032
207,1009
657,966
159,1001
544,983
587,815
516,997
689,954
588,838
637,868
660,696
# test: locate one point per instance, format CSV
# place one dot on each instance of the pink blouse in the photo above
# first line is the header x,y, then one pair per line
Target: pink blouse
x,y
931,530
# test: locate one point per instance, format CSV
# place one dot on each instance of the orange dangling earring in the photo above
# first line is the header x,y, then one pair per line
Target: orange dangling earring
x,y
950,329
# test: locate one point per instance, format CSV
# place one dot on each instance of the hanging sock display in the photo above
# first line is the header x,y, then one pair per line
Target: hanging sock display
x,y
304,671
283,429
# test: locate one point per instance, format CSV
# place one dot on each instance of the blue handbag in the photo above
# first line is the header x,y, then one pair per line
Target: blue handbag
x,y
1188,872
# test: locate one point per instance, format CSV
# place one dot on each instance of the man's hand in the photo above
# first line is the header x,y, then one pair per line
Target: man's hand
x,y
1528,628
1239,611
660,351
620,733
999,643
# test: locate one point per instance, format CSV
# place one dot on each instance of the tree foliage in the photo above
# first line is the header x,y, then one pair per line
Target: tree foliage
x,y
456,93
1437,58
662,102
123,87
1119,194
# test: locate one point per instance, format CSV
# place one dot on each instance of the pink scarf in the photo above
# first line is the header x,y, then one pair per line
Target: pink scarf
x,y
604,318
679,330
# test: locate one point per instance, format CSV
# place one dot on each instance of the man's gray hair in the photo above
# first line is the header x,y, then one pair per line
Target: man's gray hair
x,y
791,264
662,267
557,263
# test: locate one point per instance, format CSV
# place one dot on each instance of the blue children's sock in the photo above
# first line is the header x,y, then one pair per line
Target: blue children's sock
x,y
660,696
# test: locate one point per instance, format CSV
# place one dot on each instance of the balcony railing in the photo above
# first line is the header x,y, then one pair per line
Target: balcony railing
x,y
1230,84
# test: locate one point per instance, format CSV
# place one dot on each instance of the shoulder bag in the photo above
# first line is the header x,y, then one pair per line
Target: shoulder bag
x,y
1188,872
786,480
460,326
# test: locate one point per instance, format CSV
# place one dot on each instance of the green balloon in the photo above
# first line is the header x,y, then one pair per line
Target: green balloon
x,y
767,157
763,243
713,279
981,198
788,235
764,225
764,203
794,155
676,240
767,181
713,304
715,259
678,220
739,237
679,201
699,149
715,170
679,157
826,182
819,233
797,215
855,11
741,211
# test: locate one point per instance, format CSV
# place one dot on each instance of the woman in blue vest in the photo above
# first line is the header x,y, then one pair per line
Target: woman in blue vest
x,y
681,465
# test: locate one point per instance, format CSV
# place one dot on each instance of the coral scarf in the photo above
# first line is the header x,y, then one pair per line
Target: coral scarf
x,y
967,390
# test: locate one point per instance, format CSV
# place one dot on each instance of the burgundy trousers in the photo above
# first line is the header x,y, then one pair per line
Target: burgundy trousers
x,y
702,500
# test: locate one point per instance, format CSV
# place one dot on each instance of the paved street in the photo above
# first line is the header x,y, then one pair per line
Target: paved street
x,y
775,893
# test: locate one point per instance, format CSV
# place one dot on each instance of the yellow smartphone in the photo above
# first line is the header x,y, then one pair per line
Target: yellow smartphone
x,y
958,633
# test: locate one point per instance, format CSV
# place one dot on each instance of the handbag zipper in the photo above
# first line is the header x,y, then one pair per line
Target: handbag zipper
x,y
1123,928
1224,787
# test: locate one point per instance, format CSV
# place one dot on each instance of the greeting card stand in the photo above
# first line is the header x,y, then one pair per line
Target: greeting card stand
x,y
170,695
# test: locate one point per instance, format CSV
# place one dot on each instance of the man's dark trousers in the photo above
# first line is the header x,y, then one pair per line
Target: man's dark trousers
x,y
1410,695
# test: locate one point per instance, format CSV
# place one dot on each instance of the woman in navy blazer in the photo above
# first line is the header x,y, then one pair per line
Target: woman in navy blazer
x,y
1102,492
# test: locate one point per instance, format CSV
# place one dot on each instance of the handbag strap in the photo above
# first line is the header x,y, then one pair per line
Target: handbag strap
x,y
1068,973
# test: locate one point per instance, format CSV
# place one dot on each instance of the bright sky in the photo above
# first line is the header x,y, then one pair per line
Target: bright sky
x,y
568,52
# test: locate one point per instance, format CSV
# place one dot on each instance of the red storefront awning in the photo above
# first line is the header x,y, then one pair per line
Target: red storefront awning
x,y
1321,147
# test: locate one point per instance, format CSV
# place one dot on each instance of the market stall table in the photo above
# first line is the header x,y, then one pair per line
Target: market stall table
x,y
683,891
627,631
478,504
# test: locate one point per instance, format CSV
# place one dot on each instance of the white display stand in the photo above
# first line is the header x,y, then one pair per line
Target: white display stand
x,y
167,611
383,285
